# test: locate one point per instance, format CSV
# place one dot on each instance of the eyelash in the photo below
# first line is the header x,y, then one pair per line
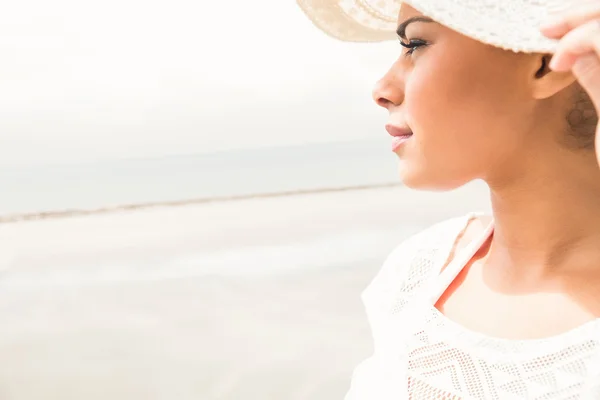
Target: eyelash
x,y
412,45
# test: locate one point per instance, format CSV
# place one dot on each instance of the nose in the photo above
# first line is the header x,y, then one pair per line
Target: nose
x,y
389,90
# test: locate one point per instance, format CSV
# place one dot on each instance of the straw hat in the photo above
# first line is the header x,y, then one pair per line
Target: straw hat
x,y
508,24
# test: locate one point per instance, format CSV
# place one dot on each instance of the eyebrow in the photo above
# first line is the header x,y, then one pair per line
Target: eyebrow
x,y
401,31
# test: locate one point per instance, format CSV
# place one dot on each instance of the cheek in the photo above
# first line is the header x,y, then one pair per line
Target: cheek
x,y
453,105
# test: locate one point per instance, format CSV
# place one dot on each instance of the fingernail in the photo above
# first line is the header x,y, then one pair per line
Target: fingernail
x,y
554,63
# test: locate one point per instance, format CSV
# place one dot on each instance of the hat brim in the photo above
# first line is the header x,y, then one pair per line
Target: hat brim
x,y
330,17
518,33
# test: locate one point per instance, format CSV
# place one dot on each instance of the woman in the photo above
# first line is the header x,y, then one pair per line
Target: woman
x,y
487,307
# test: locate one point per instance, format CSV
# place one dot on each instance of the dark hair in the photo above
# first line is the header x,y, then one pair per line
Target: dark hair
x,y
582,119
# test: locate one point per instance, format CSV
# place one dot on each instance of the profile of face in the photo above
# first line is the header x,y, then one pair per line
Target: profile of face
x,y
472,109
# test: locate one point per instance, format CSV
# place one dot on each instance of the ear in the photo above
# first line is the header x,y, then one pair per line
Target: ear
x,y
546,82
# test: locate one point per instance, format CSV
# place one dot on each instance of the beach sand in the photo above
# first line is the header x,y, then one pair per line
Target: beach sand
x,y
248,299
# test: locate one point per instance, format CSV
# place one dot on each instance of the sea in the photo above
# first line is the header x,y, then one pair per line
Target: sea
x,y
39,189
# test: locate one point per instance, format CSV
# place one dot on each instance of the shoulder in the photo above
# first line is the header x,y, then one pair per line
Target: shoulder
x,y
430,242
421,257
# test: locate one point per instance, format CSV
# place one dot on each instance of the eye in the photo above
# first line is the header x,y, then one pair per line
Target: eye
x,y
413,45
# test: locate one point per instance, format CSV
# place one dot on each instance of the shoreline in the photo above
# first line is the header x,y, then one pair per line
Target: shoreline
x,y
69,213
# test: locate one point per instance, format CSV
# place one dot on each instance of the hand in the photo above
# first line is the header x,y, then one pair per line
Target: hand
x,y
578,50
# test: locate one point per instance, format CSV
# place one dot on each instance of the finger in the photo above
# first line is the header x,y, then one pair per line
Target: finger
x,y
582,40
560,23
587,72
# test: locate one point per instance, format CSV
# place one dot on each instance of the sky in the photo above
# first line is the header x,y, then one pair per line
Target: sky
x,y
84,81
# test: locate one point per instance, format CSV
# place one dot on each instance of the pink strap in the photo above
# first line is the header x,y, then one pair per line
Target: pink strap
x,y
457,264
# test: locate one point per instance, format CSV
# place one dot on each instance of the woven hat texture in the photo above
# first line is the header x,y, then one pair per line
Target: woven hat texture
x,y
508,24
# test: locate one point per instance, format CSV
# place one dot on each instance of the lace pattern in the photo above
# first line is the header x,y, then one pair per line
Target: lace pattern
x,y
420,354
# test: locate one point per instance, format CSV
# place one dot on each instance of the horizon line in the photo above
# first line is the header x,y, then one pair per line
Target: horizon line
x,y
70,213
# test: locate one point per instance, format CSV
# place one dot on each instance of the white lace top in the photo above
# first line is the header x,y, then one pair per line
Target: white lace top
x,y
420,354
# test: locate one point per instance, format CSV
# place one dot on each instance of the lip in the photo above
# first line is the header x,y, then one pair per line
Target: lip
x,y
399,136
398,132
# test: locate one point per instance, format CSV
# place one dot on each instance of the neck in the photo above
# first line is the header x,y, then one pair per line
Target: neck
x,y
548,220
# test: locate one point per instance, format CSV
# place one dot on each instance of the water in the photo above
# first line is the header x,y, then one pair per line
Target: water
x,y
112,183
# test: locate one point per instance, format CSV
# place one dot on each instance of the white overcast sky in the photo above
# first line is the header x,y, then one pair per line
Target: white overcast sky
x,y
87,80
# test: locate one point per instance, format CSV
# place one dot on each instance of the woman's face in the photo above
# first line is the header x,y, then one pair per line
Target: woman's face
x,y
467,105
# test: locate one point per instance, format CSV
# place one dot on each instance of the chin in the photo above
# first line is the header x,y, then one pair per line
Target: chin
x,y
420,180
